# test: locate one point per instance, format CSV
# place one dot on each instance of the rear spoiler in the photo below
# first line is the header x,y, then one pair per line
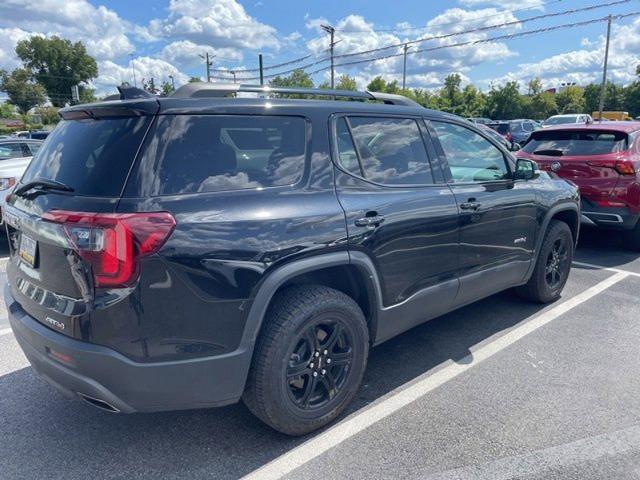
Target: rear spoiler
x,y
132,102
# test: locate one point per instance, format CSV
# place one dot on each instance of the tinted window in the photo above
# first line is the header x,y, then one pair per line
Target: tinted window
x,y
502,128
34,147
589,142
10,150
205,153
391,150
346,150
471,157
91,156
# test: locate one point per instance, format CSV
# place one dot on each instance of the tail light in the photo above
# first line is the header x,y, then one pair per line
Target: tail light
x,y
625,168
510,137
113,243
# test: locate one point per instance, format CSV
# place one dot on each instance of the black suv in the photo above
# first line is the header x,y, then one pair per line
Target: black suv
x,y
195,250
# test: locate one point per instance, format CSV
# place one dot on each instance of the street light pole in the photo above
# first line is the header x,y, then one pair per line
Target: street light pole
x,y
604,70
331,31
404,67
133,70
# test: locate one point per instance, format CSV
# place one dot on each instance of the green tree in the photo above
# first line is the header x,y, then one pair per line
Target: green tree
x,y
345,82
541,106
451,99
614,97
195,79
378,84
534,86
505,102
57,64
7,110
166,89
592,97
49,115
632,99
23,92
571,100
297,79
473,102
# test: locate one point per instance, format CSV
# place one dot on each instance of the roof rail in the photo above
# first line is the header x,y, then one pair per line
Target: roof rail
x,y
204,89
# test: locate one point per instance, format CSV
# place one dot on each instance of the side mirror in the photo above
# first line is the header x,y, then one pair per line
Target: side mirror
x,y
515,147
526,169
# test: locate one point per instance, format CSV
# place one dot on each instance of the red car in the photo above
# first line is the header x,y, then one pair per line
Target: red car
x,y
603,159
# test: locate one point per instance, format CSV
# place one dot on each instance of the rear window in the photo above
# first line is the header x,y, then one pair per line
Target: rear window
x,y
91,156
212,153
566,143
502,128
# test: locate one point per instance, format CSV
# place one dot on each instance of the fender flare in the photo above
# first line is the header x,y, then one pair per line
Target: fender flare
x,y
560,207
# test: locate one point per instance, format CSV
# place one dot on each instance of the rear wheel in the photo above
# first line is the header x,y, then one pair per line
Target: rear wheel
x,y
309,359
552,267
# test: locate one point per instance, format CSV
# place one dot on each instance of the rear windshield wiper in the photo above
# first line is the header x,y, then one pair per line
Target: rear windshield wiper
x,y
42,184
549,152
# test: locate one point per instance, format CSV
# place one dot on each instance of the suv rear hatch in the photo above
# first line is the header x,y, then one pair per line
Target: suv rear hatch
x,y
595,160
68,247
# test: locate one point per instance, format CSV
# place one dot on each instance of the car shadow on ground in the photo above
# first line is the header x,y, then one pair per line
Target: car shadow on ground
x,y
607,249
226,442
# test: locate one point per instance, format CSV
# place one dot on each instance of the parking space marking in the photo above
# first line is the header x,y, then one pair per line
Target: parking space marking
x,y
4,331
611,445
411,392
602,267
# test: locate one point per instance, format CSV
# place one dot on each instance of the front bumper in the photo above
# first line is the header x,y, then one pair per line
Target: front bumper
x,y
109,380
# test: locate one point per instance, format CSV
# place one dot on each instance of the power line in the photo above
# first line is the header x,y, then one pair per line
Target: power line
x,y
388,47
499,14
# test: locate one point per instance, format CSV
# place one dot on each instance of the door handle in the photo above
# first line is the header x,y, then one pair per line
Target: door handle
x,y
372,221
470,206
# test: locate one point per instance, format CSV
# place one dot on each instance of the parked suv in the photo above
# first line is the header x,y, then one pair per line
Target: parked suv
x,y
603,159
159,259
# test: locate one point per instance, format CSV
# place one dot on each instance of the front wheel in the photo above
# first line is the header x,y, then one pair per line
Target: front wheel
x,y
309,359
552,266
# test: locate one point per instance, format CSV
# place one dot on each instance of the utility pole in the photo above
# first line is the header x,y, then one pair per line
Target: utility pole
x,y
133,70
261,70
208,61
233,72
404,67
331,31
604,70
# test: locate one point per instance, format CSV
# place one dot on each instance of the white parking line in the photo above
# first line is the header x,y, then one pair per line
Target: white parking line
x,y
407,394
602,267
4,331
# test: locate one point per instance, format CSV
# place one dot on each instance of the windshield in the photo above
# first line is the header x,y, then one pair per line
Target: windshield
x,y
560,120
93,157
591,142
502,128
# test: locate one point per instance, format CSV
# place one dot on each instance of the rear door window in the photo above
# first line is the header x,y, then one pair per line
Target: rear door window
x,y
92,156
10,150
558,143
391,151
212,153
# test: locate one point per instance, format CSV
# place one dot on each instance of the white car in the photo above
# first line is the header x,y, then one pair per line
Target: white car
x,y
567,119
15,155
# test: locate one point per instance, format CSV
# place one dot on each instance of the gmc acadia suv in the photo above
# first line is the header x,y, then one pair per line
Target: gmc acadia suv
x,y
195,250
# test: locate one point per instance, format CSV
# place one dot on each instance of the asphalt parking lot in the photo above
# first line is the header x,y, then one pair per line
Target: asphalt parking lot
x,y
500,389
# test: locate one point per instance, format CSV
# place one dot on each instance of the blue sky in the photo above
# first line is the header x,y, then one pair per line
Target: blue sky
x,y
164,38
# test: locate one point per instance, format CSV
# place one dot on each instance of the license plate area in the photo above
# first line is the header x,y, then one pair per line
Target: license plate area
x,y
28,249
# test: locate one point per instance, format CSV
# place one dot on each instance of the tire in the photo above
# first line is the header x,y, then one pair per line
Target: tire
x,y
632,238
275,393
552,269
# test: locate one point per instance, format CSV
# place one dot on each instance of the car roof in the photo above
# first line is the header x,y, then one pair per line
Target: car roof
x,y
222,105
621,126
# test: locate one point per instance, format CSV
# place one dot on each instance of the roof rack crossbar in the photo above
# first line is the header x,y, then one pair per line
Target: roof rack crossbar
x,y
203,89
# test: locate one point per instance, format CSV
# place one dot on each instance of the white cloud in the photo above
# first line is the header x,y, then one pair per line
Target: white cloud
x,y
102,31
186,53
585,66
9,37
426,69
222,23
112,74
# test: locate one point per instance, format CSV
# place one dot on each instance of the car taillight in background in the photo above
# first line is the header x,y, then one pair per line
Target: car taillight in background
x,y
113,243
623,167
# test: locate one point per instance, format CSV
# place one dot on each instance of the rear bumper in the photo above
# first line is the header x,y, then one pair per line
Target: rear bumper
x,y
610,218
108,379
